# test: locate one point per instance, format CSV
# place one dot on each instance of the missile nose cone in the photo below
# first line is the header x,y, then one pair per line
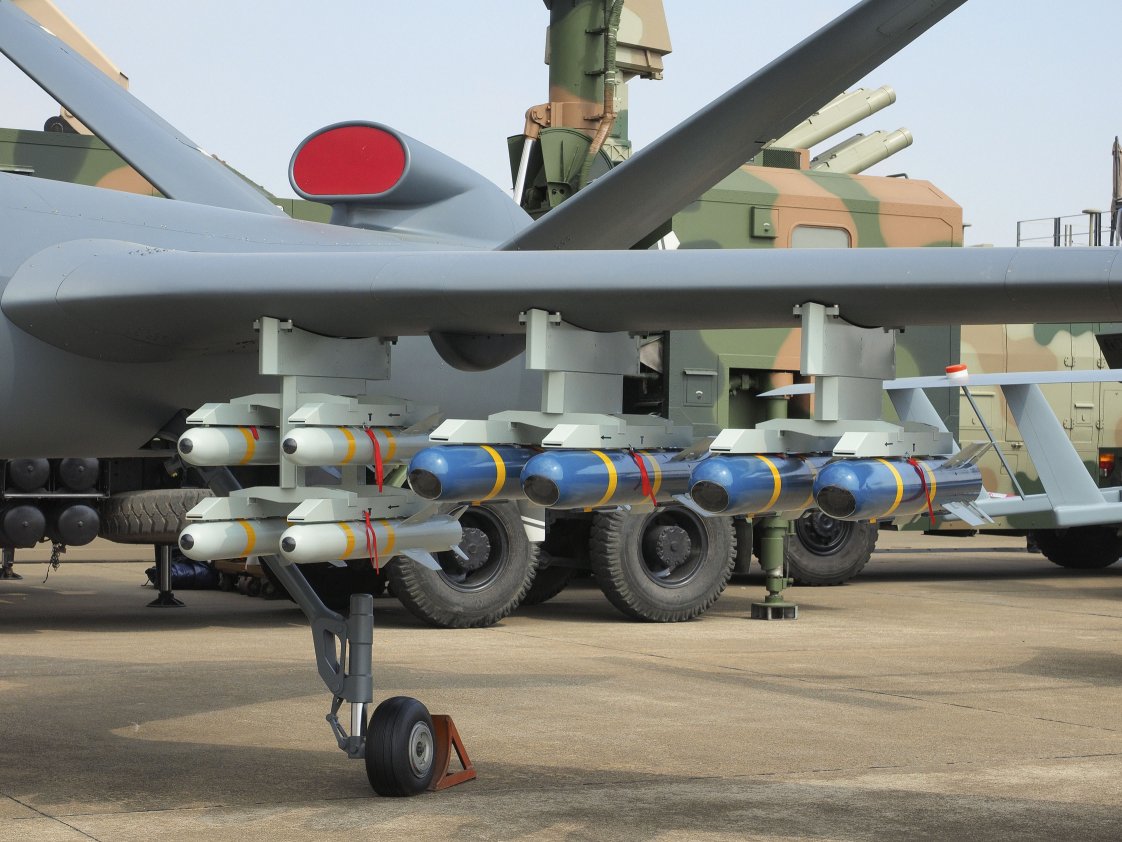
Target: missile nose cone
x,y
710,496
837,489
541,491
186,542
289,446
424,483
426,471
186,445
288,544
711,482
836,502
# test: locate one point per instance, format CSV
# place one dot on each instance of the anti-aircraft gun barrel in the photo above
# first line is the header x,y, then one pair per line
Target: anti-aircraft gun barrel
x,y
862,151
836,116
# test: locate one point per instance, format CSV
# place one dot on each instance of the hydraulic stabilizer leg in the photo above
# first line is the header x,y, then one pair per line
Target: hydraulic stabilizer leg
x,y
775,533
7,563
166,598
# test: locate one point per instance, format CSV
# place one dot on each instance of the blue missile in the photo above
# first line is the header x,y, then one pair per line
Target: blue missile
x,y
468,473
583,479
753,484
867,489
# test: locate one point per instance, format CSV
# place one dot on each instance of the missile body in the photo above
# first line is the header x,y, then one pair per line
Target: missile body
x,y
208,446
22,524
753,484
468,473
313,542
314,446
865,489
580,479
75,524
231,538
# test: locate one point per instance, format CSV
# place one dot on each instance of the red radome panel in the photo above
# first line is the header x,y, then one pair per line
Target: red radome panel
x,y
349,161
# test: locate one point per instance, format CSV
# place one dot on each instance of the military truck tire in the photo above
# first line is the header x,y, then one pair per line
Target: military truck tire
x,y
825,551
548,582
1080,547
481,591
664,567
148,517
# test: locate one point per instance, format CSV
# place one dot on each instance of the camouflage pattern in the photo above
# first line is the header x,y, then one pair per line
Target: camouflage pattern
x,y
593,48
774,207
83,159
1090,412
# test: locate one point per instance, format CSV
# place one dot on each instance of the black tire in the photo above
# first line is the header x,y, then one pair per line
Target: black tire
x,y
825,551
400,748
548,582
648,572
480,592
1080,547
148,517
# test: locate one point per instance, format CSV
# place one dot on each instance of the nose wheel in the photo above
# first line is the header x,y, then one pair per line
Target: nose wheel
x,y
400,748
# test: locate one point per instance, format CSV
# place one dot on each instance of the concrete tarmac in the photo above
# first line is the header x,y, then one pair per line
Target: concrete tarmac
x,y
952,691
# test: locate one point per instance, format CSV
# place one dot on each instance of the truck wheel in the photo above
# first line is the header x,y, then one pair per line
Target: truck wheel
x,y
548,582
148,517
1080,547
826,551
664,567
484,588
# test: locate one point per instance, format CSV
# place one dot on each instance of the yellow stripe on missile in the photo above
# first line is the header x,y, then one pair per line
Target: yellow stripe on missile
x,y
391,444
391,539
250,444
899,486
930,481
656,470
350,548
350,437
500,471
776,480
613,479
250,537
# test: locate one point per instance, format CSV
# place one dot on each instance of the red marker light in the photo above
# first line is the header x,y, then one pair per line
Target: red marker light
x,y
350,160
957,372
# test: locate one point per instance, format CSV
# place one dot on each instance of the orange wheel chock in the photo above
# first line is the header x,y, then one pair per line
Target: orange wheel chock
x,y
447,739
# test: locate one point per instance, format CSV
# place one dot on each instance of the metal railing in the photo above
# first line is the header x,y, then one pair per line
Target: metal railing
x,y
1077,229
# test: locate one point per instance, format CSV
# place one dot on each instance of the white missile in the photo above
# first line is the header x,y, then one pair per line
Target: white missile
x,y
311,542
231,538
314,446
207,446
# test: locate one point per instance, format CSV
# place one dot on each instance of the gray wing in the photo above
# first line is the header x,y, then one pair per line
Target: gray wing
x,y
620,208
157,150
121,300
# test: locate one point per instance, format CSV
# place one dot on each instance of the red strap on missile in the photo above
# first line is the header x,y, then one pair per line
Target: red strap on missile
x,y
378,469
371,542
923,487
256,435
648,489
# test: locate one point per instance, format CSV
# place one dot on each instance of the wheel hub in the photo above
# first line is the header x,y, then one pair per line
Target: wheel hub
x,y
420,749
477,547
668,546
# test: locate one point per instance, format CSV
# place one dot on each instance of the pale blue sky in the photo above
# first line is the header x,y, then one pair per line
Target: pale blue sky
x,y
1014,105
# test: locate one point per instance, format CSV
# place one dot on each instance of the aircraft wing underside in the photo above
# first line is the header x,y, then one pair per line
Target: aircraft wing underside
x,y
112,299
